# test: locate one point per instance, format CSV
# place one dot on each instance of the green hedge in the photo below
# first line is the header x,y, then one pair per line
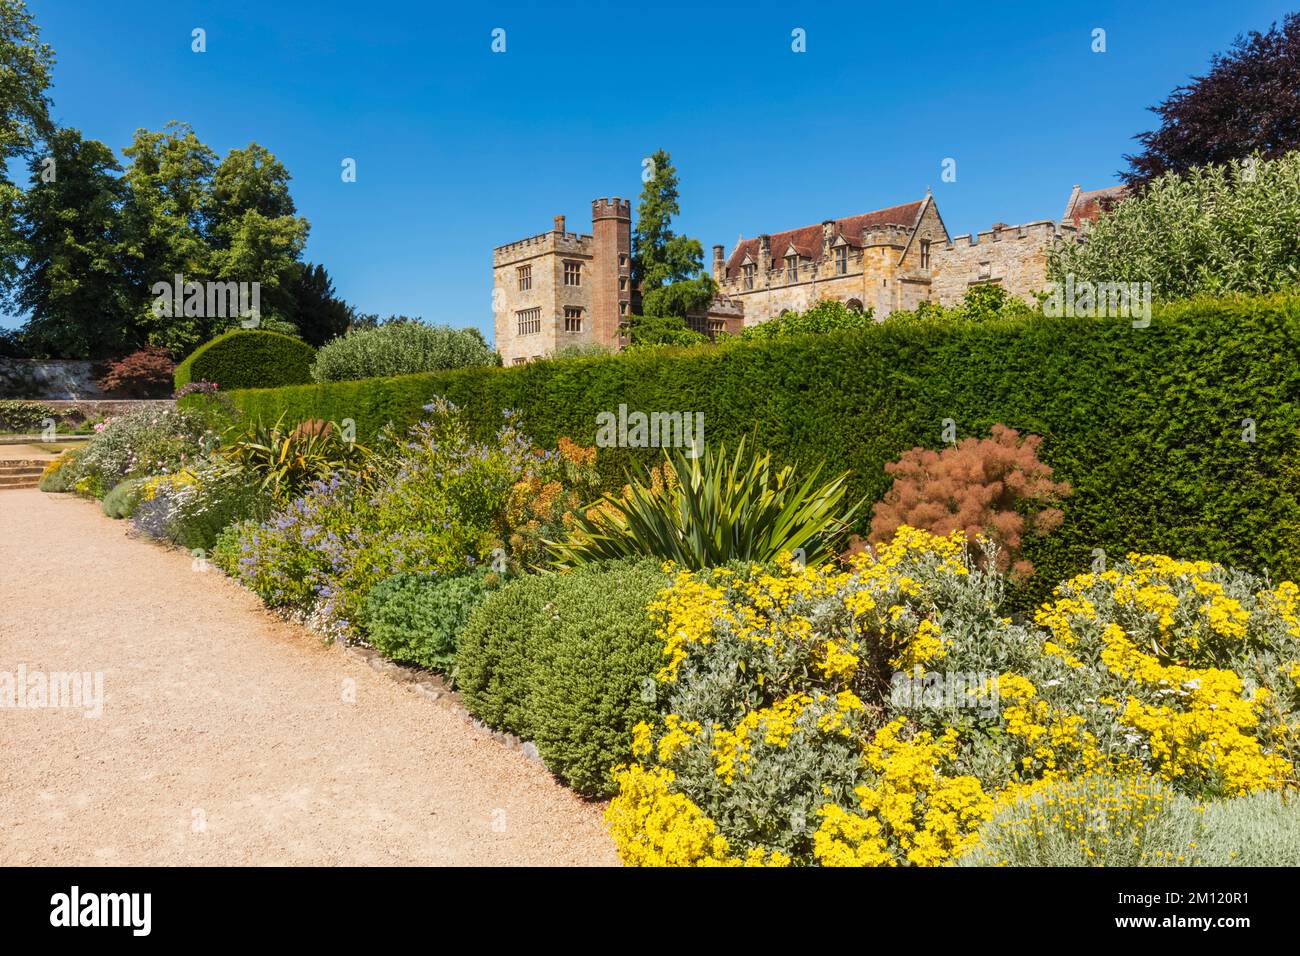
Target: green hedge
x,y
567,661
415,619
1145,423
248,358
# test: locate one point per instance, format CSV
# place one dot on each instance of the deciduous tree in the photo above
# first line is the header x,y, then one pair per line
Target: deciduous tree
x,y
1248,102
79,301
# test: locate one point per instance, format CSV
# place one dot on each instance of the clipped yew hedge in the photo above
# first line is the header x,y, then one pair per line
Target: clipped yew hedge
x,y
1147,424
248,358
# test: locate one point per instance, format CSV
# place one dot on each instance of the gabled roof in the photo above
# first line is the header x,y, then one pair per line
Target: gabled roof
x,y
807,240
1088,206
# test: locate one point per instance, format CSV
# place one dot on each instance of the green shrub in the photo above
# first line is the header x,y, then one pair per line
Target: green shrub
x,y
981,303
60,474
712,509
1146,424
568,662
828,315
400,348
494,654
1214,230
1093,821
416,619
248,358
282,461
23,416
122,499
1139,822
1260,829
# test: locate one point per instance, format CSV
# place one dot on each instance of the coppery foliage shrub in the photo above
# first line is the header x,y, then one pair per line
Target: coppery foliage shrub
x,y
146,373
992,487
313,427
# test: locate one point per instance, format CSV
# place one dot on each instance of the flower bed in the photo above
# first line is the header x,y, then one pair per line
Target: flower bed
x,y
886,707
883,713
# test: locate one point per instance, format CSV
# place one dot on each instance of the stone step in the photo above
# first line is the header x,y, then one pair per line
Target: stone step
x,y
43,439
11,471
19,481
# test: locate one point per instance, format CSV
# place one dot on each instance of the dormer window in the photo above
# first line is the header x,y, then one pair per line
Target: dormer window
x,y
747,273
791,268
841,260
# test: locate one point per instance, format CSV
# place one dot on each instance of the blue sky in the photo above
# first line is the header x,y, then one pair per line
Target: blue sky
x,y
459,149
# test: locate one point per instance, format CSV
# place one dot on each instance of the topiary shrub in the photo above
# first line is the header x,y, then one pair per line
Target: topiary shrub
x,y
122,499
1156,466
248,358
400,348
567,661
416,619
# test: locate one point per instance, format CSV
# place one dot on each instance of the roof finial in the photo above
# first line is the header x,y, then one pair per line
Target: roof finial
x,y
928,194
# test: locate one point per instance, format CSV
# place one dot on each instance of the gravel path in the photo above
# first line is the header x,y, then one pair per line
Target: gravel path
x,y
228,736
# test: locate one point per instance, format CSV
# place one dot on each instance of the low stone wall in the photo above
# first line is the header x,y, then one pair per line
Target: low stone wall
x,y
99,407
68,415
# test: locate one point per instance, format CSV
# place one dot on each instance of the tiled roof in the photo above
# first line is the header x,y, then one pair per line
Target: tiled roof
x,y
807,240
1090,205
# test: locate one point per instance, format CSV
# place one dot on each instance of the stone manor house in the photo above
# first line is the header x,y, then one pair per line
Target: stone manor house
x,y
564,288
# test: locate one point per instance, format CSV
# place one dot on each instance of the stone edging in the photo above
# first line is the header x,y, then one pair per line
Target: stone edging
x,y
434,687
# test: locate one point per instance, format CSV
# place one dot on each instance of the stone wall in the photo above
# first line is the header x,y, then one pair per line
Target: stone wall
x,y
891,271
601,298
774,292
99,408
1014,257
41,379
545,255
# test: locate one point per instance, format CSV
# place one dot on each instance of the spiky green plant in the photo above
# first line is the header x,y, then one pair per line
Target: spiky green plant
x,y
710,510
288,459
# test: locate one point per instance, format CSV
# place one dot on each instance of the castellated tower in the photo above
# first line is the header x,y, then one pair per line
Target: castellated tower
x,y
611,285
561,288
